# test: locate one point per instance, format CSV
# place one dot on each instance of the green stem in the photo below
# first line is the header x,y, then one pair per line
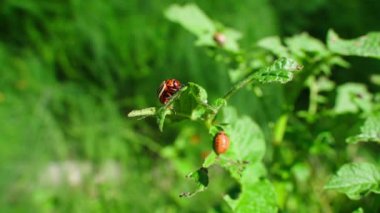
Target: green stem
x,y
238,86
229,94
279,129
313,99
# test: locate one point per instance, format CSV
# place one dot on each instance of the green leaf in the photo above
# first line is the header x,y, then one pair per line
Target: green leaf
x,y
301,171
232,37
247,143
355,180
161,115
210,160
188,103
200,177
359,210
282,70
351,97
192,103
219,103
191,18
325,84
303,43
375,79
370,131
196,21
274,45
257,197
142,112
365,46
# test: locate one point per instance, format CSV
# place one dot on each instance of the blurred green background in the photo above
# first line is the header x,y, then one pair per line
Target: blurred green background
x,y
71,70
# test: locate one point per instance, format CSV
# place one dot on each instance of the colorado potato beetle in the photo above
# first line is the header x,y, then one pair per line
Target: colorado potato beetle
x,y
167,89
221,143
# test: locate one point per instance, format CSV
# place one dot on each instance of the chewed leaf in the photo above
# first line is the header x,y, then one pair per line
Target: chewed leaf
x,y
256,197
356,180
352,97
200,177
257,193
365,46
370,131
282,70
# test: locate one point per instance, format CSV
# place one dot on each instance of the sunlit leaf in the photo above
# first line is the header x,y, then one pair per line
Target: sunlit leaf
x,y
257,194
194,20
300,44
191,18
324,84
356,180
352,97
274,45
210,159
370,131
247,143
282,70
256,197
365,46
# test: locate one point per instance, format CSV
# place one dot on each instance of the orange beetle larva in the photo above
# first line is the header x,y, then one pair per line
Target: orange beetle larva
x,y
221,143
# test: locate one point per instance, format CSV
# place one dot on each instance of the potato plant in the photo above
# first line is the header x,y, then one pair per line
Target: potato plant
x,y
278,163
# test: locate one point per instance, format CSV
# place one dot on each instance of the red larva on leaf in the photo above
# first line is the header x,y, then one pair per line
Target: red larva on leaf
x,y
167,89
219,38
221,143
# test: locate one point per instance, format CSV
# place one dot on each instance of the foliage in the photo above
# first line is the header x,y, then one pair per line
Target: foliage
x,y
356,179
191,102
72,71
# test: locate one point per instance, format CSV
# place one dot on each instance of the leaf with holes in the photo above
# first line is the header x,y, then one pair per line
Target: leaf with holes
x,y
365,46
282,71
257,195
370,131
356,180
200,177
352,97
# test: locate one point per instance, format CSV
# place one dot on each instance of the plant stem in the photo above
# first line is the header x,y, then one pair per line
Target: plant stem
x,y
228,95
238,86
313,99
279,129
